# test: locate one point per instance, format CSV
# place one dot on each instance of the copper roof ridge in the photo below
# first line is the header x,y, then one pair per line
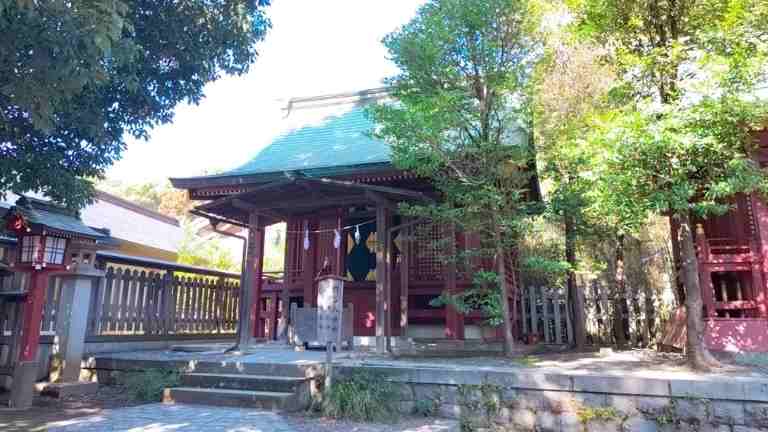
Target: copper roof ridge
x,y
333,99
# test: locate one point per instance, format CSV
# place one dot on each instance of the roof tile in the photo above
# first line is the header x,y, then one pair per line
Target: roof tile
x,y
342,139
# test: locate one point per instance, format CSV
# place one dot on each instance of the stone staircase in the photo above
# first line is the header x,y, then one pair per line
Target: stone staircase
x,y
275,387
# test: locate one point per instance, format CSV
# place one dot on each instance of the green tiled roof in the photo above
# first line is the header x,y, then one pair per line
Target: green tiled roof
x,y
341,140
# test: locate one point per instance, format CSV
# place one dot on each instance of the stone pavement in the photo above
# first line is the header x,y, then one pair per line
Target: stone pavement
x,y
203,418
166,418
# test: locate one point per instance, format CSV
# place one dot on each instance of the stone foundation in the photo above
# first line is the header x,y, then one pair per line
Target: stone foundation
x,y
553,402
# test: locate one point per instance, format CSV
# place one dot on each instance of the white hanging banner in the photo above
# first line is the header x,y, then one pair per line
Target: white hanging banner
x,y
357,234
336,239
306,238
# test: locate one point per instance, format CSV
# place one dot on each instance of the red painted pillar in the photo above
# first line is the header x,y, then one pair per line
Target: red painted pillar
x,y
761,233
32,316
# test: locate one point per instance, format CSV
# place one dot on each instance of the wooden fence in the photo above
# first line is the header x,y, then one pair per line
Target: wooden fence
x,y
545,312
142,299
138,299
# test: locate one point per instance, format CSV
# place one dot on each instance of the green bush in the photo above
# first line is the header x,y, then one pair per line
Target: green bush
x,y
362,396
148,385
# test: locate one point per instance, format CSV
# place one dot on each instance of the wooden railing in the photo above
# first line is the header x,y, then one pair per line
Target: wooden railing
x,y
149,299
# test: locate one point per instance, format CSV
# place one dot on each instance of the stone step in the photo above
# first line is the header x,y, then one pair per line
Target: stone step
x,y
268,383
228,366
263,369
273,401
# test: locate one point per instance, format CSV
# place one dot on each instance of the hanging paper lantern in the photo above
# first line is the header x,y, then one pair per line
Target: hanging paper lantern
x,y
357,234
336,239
306,239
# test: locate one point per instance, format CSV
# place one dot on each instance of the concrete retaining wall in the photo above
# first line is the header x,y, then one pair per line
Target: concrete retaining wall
x,y
530,400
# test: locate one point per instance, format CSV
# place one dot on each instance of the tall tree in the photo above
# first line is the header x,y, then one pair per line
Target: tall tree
x,y
460,118
682,144
78,76
572,85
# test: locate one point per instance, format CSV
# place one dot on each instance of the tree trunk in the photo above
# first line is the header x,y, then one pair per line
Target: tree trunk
x,y
619,295
575,294
698,355
509,341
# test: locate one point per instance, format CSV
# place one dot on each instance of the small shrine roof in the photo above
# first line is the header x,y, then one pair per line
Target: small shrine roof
x,y
39,212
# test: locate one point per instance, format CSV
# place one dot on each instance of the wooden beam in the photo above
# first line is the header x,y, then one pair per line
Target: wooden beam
x,y
376,188
314,192
261,188
308,203
251,208
380,199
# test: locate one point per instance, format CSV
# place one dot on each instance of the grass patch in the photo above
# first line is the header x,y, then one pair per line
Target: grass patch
x,y
588,414
148,385
363,396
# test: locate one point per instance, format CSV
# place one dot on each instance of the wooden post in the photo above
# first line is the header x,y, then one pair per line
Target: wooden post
x,y
309,271
760,212
251,291
405,243
388,284
340,252
382,219
454,320
557,317
25,371
282,328
705,275
757,284
32,315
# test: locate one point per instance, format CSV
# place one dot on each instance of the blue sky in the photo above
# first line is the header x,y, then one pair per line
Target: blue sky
x,y
315,47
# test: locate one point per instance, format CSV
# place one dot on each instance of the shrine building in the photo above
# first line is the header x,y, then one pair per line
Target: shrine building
x,y
335,187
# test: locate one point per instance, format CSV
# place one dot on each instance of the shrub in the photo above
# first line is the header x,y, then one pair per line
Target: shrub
x,y
588,414
148,385
362,396
427,407
480,406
